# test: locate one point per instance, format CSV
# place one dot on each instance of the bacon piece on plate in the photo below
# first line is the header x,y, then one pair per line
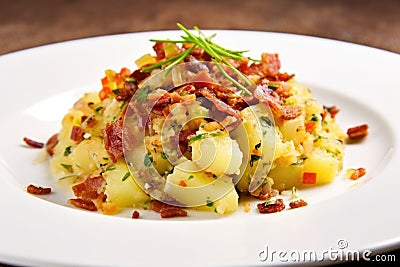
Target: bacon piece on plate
x,y
51,143
113,140
90,188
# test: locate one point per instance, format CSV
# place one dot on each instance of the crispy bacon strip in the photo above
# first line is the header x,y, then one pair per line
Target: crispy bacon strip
x,y
77,133
90,188
51,144
267,95
358,131
113,140
167,211
83,204
33,143
38,190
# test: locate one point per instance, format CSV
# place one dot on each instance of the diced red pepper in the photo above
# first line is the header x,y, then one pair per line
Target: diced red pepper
x,y
103,94
309,178
310,126
182,183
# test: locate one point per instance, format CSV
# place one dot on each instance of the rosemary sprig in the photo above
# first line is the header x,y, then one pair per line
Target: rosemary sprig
x,y
217,53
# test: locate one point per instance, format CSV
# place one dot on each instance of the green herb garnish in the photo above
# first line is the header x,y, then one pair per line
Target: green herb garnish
x,y
254,158
190,177
142,93
209,203
164,156
67,151
115,91
148,159
197,138
265,121
126,176
218,54
67,167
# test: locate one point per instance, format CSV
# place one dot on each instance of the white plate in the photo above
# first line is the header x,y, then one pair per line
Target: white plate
x,y
39,85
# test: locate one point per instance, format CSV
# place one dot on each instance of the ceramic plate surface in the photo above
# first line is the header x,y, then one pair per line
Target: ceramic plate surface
x,y
39,85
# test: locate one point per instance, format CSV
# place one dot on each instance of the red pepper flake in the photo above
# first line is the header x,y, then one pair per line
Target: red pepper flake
x,y
33,143
309,178
135,214
38,190
297,204
358,173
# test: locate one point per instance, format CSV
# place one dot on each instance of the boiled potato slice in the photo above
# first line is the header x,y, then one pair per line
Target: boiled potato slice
x,y
122,189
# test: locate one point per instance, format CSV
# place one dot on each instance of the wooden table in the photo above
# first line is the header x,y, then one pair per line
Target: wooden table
x,y
25,24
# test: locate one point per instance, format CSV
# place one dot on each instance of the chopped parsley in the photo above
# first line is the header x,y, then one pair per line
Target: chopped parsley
x,y
115,91
67,151
98,109
164,156
110,168
126,176
265,121
68,167
148,159
257,146
190,177
197,138
141,94
314,117
254,158
209,203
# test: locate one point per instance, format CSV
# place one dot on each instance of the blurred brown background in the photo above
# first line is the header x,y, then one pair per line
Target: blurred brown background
x,y
26,23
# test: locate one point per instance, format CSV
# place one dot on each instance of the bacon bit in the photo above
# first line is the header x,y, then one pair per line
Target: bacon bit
x,y
139,76
158,47
270,64
83,204
357,132
51,144
167,211
309,178
264,207
113,140
135,215
297,204
291,112
358,173
90,188
91,122
265,94
77,134
33,143
109,208
38,190
310,126
333,111
182,183
246,207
